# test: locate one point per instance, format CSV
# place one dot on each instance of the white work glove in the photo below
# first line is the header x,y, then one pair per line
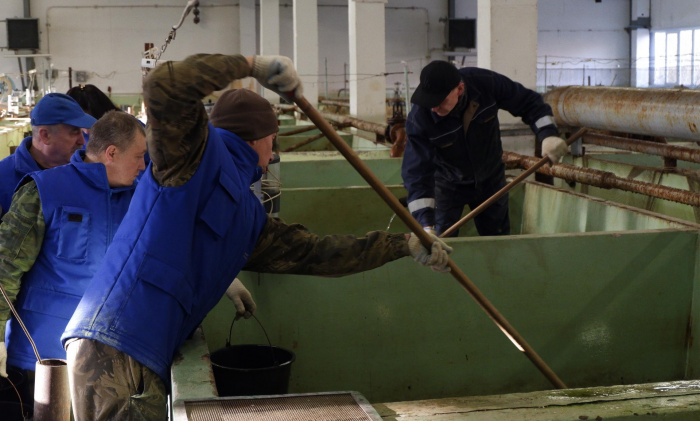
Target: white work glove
x,y
430,230
3,360
245,306
436,258
554,147
277,74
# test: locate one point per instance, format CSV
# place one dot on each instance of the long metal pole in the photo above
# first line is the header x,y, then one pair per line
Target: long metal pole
x,y
408,88
303,143
297,131
605,180
471,215
683,153
326,65
427,241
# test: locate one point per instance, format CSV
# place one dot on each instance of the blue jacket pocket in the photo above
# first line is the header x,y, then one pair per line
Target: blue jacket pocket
x,y
74,231
52,303
221,206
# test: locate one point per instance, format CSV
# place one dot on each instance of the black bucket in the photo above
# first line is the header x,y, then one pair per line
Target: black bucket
x,y
248,370
19,379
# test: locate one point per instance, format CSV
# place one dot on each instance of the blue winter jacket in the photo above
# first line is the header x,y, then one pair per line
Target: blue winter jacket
x,y
176,252
81,213
12,170
438,149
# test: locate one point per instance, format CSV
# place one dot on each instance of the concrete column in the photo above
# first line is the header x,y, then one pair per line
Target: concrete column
x,y
247,35
506,41
640,20
306,46
246,25
367,60
270,35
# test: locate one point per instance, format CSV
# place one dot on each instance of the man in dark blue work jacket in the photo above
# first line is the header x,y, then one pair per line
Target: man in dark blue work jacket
x,y
453,154
56,122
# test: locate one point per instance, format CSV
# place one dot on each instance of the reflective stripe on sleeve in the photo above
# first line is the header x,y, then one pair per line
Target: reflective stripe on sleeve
x,y
544,121
419,204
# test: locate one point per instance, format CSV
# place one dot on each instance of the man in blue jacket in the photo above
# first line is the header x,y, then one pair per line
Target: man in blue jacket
x,y
56,233
56,134
453,154
192,226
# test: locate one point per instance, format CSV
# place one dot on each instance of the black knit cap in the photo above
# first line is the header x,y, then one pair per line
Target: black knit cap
x,y
437,80
245,114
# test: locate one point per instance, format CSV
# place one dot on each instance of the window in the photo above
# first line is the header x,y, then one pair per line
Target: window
x,y
676,58
659,58
685,57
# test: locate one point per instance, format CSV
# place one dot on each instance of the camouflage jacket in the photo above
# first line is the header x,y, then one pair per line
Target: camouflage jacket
x,y
177,133
21,235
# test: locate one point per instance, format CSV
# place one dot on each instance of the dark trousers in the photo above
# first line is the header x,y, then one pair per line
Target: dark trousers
x,y
450,200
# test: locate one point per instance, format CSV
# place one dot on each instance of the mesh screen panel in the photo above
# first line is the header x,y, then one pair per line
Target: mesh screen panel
x,y
330,407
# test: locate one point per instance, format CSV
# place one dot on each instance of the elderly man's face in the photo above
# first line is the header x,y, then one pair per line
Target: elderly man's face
x,y
61,142
263,147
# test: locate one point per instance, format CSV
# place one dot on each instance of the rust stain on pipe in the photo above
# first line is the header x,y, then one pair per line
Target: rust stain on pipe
x,y
368,126
649,111
606,180
652,148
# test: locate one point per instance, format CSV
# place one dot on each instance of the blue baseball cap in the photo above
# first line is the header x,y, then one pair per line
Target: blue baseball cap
x,y
60,108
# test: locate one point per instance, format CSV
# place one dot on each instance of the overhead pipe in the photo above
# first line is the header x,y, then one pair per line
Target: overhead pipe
x,y
603,179
650,111
666,150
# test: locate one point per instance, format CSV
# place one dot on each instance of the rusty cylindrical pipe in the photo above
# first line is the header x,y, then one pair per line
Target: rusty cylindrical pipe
x,y
650,111
682,153
51,391
542,162
427,241
606,180
368,126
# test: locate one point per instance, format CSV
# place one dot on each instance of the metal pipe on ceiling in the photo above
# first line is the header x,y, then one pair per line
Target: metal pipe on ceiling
x,y
603,179
671,113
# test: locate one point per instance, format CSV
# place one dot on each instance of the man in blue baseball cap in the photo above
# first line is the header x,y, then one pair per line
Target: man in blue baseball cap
x,y
453,153
56,122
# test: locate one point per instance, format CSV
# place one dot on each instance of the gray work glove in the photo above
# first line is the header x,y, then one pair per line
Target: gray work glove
x,y
3,360
242,300
554,147
430,230
277,74
436,258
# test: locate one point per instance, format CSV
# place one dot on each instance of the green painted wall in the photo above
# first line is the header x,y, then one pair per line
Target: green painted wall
x,y
597,307
322,144
336,172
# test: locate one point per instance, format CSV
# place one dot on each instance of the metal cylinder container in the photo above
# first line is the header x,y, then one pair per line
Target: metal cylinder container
x,y
671,113
51,391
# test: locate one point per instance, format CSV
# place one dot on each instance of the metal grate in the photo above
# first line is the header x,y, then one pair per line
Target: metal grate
x,y
311,407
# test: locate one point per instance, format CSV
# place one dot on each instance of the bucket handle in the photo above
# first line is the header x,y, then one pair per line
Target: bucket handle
x,y
272,350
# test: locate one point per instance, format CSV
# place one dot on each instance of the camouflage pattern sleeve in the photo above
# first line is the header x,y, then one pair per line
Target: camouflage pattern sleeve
x,y
177,121
21,235
283,248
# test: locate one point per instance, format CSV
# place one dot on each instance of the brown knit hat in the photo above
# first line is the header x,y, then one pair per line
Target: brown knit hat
x,y
245,114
